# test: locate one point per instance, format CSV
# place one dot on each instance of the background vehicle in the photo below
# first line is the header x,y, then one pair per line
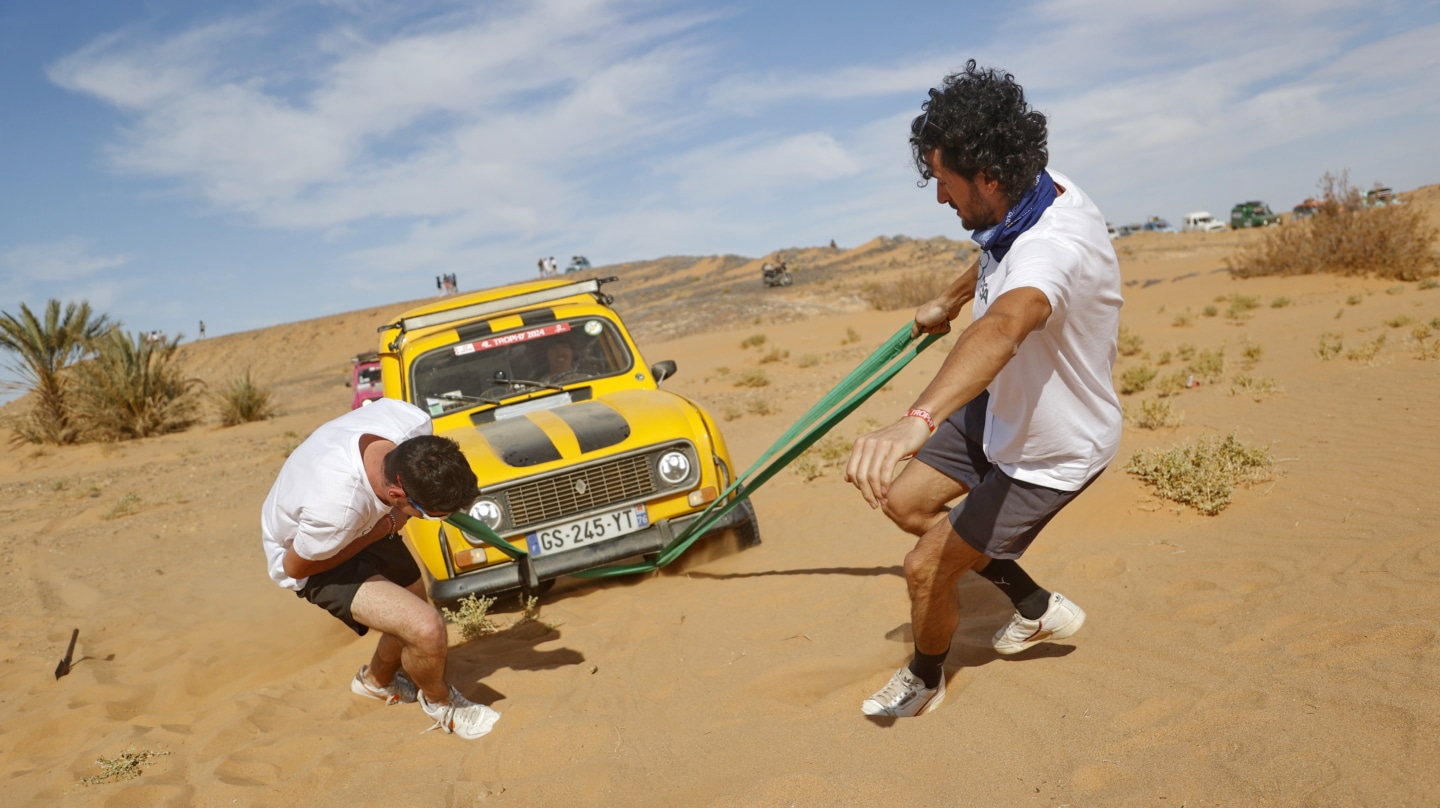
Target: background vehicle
x,y
1253,214
1306,209
776,275
1201,222
1379,196
585,465
577,263
1156,224
365,379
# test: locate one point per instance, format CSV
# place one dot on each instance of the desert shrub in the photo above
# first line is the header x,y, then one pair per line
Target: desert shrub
x,y
472,616
774,355
1425,348
241,401
851,335
905,292
1399,321
1258,389
1427,283
1366,352
752,378
42,349
753,341
1280,302
759,405
1202,474
1155,413
1208,366
827,454
808,360
731,411
1209,311
1185,351
1331,344
1129,342
1241,306
1135,379
1395,290
1171,383
1354,300
1182,319
134,388
1344,238
126,505
1251,353
125,766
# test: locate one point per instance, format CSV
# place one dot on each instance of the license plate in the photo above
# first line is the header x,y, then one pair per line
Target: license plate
x,y
591,530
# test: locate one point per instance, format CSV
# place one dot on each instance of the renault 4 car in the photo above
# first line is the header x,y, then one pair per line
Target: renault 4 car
x,y
582,459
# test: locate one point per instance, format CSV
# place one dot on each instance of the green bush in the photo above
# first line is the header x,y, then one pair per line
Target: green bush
x,y
134,388
1135,379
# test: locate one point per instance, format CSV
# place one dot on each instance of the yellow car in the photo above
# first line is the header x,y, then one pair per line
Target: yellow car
x,y
582,459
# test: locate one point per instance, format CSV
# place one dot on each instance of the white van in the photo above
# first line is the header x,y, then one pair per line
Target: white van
x,y
1200,222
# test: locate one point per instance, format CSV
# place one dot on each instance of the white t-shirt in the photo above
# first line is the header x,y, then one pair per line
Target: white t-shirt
x,y
322,499
1054,419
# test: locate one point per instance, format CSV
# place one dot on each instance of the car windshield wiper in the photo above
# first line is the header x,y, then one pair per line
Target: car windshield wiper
x,y
533,385
463,399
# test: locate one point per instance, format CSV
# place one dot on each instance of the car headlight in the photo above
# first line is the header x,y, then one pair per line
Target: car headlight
x,y
488,511
674,467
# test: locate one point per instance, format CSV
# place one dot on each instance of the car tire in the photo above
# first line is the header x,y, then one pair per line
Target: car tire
x,y
747,532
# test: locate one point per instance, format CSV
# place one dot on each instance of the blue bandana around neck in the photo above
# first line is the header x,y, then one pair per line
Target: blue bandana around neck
x,y
1021,217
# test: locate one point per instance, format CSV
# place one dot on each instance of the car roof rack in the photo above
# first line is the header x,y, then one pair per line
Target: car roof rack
x,y
591,287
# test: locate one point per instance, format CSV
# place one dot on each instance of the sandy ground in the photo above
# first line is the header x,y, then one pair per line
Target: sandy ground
x,y
1282,653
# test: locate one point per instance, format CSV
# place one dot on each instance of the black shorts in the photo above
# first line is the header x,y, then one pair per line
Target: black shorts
x,y
334,590
1001,515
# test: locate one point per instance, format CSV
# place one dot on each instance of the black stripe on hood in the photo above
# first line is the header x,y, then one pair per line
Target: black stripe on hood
x,y
596,425
519,442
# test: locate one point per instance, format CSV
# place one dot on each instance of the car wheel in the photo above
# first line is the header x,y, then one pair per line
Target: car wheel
x,y
748,530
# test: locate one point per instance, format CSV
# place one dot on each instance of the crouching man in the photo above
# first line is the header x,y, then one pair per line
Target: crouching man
x,y
331,533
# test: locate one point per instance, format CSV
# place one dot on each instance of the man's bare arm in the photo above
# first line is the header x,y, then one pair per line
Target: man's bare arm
x,y
934,316
979,355
297,566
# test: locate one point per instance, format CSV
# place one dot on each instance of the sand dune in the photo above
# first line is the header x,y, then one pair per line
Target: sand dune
x,y
1282,653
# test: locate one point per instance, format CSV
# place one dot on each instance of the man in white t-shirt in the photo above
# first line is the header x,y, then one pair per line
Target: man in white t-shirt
x,y
330,530
1022,415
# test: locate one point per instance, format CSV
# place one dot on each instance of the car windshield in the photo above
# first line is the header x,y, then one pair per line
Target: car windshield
x,y
369,376
492,368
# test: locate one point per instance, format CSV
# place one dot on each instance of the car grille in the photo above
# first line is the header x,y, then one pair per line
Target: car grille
x,y
580,491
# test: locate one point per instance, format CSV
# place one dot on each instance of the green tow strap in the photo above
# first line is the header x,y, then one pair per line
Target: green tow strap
x,y
852,391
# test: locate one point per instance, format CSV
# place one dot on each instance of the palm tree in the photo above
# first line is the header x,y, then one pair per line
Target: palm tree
x,y
43,348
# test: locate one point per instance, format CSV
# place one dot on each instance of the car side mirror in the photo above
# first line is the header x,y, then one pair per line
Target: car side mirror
x,y
662,370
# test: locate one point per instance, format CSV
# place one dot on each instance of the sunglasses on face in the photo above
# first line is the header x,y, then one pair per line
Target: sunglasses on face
x,y
423,513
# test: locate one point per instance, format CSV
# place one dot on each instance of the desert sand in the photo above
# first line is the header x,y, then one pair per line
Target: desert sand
x,y
1281,653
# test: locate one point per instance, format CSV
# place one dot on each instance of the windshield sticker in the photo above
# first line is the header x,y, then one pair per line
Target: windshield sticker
x,y
511,339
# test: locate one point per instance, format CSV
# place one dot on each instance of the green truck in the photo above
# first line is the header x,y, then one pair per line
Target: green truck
x,y
1252,214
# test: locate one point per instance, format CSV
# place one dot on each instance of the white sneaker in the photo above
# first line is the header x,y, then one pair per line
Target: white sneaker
x,y
399,691
460,716
1061,619
905,696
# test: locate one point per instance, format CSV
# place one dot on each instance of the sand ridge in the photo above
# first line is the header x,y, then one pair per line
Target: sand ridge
x,y
1282,653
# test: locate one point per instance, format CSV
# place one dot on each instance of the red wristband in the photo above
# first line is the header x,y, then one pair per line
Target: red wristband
x,y
924,416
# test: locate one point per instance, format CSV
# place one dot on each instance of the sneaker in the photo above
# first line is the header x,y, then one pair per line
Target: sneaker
x,y
399,691
460,716
1061,619
905,696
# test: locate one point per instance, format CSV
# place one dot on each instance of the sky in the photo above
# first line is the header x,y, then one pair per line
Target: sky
x,y
254,163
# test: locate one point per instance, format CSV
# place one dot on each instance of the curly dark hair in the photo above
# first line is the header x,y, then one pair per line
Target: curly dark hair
x,y
979,121
433,472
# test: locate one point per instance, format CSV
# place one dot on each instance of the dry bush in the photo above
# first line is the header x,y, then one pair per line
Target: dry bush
x,y
1171,383
1428,283
1241,306
752,378
827,454
1344,238
1280,302
1251,353
1399,321
1257,389
125,766
808,360
1128,342
1204,474
1208,366
759,405
774,355
1136,378
241,401
1155,413
1367,351
754,340
1331,344
1209,311
133,388
906,292
1183,319
851,335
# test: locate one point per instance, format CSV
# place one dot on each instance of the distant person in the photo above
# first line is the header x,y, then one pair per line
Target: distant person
x,y
832,244
202,329
439,287
541,263
330,529
1022,415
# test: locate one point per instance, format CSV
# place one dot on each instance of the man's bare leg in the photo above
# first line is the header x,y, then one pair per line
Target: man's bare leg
x,y
407,622
931,572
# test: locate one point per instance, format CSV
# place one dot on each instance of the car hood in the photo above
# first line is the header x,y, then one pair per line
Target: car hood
x,y
536,441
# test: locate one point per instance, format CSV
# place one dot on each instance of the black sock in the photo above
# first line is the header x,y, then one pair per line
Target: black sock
x,y
928,667
1030,600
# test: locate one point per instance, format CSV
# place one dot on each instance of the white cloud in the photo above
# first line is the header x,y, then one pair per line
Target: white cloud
x,y
58,261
